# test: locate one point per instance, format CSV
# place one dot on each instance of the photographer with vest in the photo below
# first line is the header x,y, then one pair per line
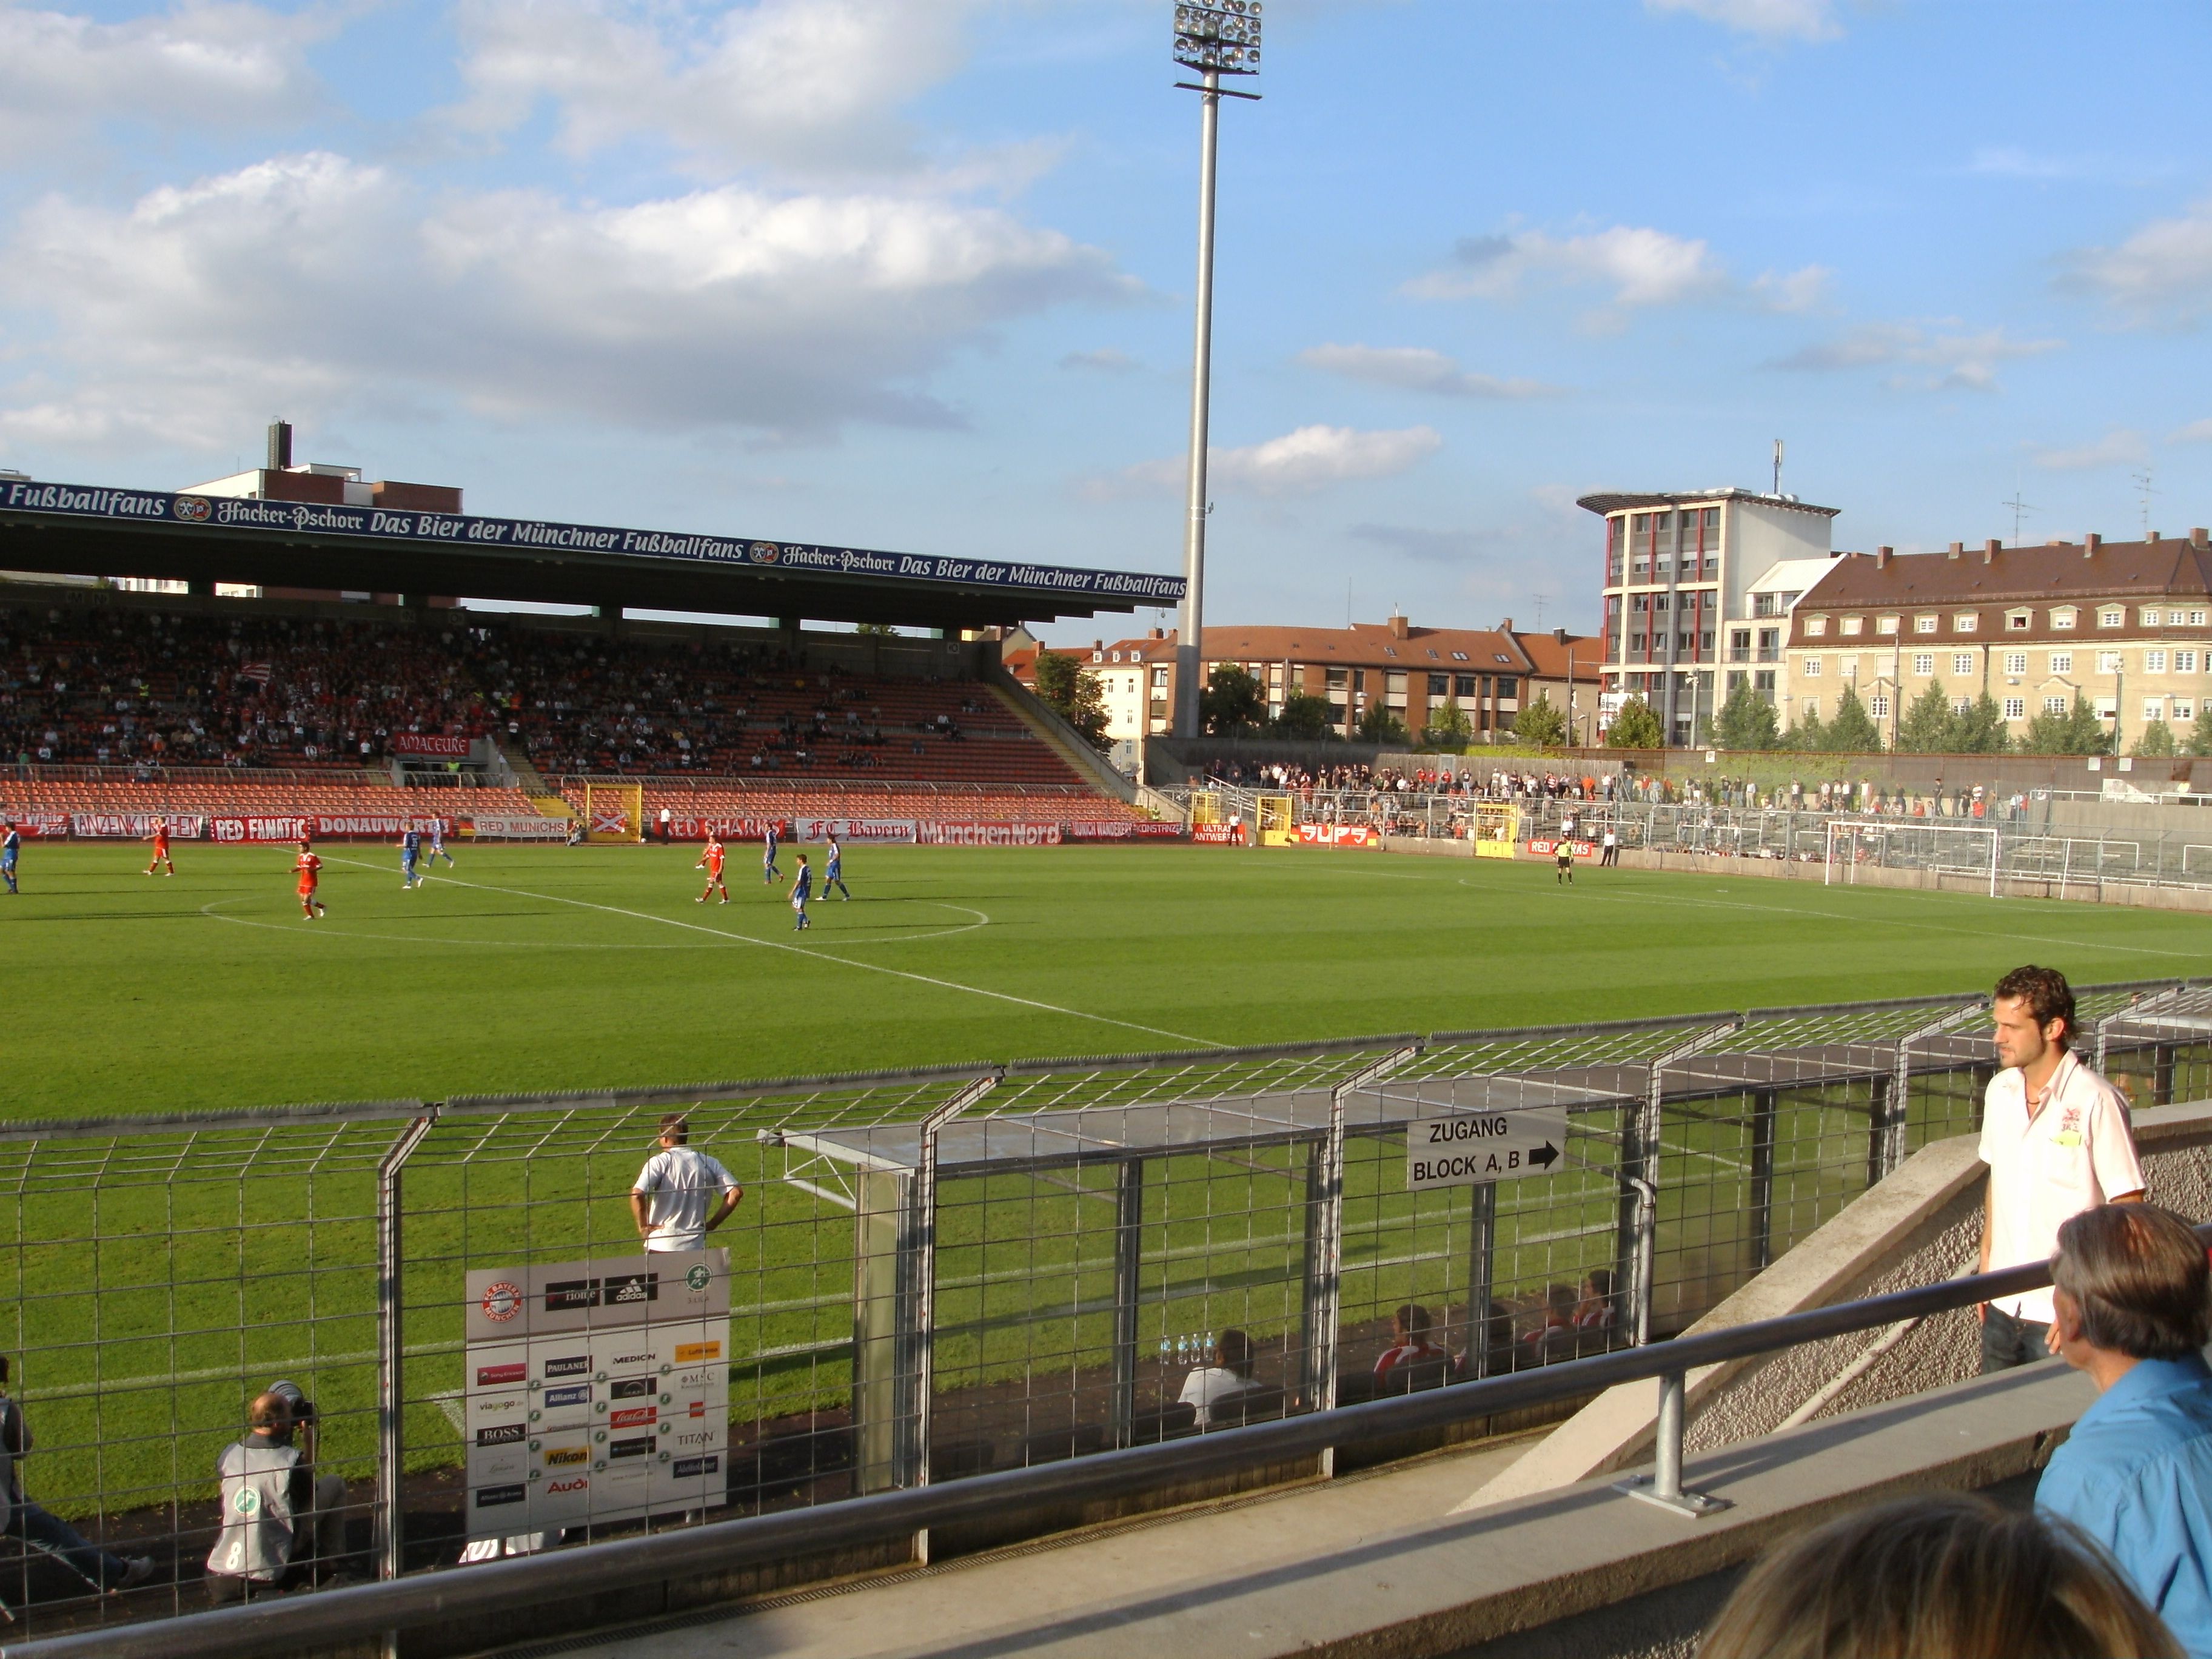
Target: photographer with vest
x,y
25,1520
279,1520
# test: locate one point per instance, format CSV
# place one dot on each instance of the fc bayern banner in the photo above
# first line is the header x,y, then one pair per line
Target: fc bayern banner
x,y
464,530
854,830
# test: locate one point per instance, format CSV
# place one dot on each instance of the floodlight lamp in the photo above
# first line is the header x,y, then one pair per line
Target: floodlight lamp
x,y
1223,35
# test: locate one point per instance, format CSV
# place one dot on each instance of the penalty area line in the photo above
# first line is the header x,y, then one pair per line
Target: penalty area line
x,y
818,956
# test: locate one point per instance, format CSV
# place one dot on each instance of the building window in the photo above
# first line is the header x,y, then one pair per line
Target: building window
x,y
1962,662
2152,617
1878,706
2184,662
1811,670
2108,708
1508,687
2108,662
1960,705
1336,678
1463,686
1459,656
1394,680
1100,656
2018,621
1816,626
1763,604
1965,622
2197,619
1925,624
1923,662
2153,709
2110,617
1159,679
1848,667
1854,624
2061,662
1885,624
1439,685
2055,705
2153,662
2015,709
2183,710
2016,662
2064,617
1812,708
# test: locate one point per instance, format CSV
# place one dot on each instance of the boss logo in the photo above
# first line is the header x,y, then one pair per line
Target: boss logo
x,y
503,1434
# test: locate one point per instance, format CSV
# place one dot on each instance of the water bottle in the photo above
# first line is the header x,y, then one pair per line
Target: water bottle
x,y
1167,1349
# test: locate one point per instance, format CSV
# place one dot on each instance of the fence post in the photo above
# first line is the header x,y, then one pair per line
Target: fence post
x,y
1481,1272
1895,1131
1639,1172
923,1332
1128,1267
1663,1485
390,1421
1764,1110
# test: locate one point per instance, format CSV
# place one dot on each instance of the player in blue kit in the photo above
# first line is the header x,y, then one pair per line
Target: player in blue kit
x,y
833,872
802,889
769,872
11,844
411,853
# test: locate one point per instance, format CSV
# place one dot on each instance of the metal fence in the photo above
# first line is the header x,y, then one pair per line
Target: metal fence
x,y
935,1274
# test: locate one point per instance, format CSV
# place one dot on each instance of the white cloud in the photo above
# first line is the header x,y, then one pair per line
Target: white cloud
x,y
2118,448
311,281
1640,266
2197,432
1107,359
1416,368
1953,360
193,65
2161,274
1299,463
1765,20
812,87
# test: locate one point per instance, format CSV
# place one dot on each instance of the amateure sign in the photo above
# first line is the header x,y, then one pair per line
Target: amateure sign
x,y
465,529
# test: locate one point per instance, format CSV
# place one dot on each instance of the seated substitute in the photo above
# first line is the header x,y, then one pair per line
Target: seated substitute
x,y
1944,1576
1409,1346
280,1521
27,1521
2131,1310
1221,1383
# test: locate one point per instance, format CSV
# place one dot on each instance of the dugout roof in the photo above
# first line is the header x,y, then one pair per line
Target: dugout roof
x,y
92,530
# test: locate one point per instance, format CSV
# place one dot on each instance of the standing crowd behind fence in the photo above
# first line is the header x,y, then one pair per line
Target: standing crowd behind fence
x,y
931,1273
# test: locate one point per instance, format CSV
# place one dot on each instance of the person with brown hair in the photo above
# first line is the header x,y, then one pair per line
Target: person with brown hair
x,y
673,1199
1945,1576
2056,1140
2134,1311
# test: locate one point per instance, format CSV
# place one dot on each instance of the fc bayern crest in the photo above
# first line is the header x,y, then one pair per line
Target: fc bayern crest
x,y
502,1302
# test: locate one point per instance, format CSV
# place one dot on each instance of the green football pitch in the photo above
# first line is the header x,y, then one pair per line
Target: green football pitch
x,y
526,968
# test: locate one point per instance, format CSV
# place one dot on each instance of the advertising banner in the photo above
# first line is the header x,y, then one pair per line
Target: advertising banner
x,y
1155,832
154,507
855,829
257,829
42,826
430,744
596,1391
321,826
1545,846
485,826
988,835
1122,829
1337,835
695,828
1218,835
132,826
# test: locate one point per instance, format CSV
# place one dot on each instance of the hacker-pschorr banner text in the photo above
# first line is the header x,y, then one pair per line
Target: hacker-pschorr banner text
x,y
597,1391
466,529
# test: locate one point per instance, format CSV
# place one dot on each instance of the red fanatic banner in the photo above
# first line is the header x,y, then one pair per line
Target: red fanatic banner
x,y
854,830
1338,835
433,744
321,827
988,835
132,826
257,829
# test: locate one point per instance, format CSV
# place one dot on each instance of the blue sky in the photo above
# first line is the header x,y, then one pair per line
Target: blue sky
x,y
916,274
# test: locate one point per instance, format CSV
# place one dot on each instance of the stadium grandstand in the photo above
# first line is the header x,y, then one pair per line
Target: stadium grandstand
x,y
206,698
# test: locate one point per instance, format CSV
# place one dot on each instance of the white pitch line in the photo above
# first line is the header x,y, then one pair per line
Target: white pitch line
x,y
818,956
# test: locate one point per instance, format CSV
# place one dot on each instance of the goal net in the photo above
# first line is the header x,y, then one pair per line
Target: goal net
x,y
614,812
1496,831
1965,851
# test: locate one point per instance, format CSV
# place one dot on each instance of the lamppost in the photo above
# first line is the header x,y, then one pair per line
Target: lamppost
x,y
1217,39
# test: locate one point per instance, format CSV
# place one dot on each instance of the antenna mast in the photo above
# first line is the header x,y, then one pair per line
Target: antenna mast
x,y
1777,466
2021,508
2144,491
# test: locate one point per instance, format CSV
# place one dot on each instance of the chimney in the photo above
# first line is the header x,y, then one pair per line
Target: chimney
x,y
280,445
1559,634
2090,544
1506,626
1957,548
1399,627
2200,537
1991,548
1159,633
1882,557
2150,535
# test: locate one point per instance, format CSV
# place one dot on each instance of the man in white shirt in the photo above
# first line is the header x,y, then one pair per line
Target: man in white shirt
x,y
2056,1140
671,1198
1209,1388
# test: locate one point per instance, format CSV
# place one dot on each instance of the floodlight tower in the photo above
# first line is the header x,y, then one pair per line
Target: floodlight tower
x,y
1218,38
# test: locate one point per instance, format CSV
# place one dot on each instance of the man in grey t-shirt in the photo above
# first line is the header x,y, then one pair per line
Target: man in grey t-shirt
x,y
672,1199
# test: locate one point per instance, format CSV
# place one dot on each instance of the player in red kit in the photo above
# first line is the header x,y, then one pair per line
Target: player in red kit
x,y
310,871
711,862
160,840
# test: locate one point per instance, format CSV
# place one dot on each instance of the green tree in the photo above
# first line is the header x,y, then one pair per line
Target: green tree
x,y
1981,729
1928,727
1853,731
1232,701
1073,692
2157,740
1541,722
1747,720
1808,736
2200,735
1449,727
1635,726
1305,716
2076,732
1380,725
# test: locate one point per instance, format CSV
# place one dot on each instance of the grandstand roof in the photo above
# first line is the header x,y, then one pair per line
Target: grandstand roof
x,y
88,529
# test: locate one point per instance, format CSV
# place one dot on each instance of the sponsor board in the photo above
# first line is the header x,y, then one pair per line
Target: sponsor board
x,y
460,530
853,829
1217,835
988,835
1337,835
434,744
486,826
681,828
257,829
133,826
1122,829
320,826
1545,846
42,826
